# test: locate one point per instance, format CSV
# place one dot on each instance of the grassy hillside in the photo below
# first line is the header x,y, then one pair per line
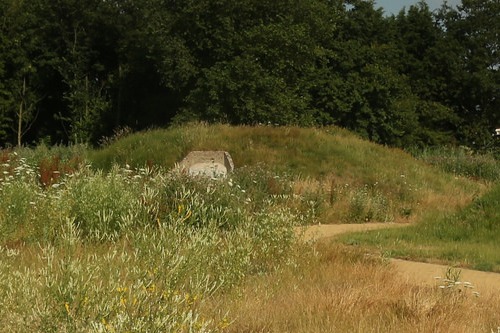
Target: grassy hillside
x,y
347,178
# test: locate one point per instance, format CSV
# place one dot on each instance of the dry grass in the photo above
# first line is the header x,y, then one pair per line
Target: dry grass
x,y
339,290
349,179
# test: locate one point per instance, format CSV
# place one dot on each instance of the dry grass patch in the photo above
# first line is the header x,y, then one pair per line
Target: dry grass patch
x,y
341,290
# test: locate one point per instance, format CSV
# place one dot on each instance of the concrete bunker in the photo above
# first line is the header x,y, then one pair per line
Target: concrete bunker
x,y
210,163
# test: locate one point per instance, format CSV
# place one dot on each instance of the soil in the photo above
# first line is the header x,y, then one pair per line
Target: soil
x,y
413,272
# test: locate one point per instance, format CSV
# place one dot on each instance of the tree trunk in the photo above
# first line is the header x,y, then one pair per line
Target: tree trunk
x,y
20,114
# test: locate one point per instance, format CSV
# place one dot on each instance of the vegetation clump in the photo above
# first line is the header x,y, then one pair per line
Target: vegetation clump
x,y
137,245
130,249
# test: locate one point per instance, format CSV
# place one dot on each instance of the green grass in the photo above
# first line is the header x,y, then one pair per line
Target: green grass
x,y
351,180
462,162
117,239
469,238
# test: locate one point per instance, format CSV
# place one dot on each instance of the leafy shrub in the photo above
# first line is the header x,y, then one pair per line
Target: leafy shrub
x,y
102,205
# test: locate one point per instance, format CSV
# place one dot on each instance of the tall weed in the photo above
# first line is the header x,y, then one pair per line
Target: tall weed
x,y
131,249
462,162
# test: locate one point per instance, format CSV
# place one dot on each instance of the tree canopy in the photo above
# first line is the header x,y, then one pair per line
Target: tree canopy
x,y
74,71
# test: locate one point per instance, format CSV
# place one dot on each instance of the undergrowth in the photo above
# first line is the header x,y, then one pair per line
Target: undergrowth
x,y
462,162
119,239
467,238
130,249
345,178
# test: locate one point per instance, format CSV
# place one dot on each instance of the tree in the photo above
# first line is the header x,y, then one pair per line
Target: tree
x,y
356,85
70,30
474,27
245,61
20,93
429,61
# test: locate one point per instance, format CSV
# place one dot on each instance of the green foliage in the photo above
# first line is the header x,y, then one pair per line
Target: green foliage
x,y
144,248
474,90
18,199
74,72
102,205
350,179
259,76
368,204
21,58
129,249
462,162
468,238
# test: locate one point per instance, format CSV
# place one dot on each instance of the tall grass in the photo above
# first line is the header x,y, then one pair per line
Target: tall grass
x,y
462,162
467,238
130,249
342,289
118,239
348,179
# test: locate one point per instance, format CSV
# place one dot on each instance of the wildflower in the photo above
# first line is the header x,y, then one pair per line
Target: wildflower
x,y
151,288
107,325
122,290
66,306
224,323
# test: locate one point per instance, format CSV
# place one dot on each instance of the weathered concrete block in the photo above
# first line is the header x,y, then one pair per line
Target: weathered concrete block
x,y
211,163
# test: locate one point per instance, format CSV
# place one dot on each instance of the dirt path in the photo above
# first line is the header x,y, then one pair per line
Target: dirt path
x,y
415,272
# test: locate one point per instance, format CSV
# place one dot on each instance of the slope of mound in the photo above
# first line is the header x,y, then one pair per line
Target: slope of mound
x,y
349,179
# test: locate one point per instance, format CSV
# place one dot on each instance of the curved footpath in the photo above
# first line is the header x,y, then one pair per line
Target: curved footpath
x,y
415,272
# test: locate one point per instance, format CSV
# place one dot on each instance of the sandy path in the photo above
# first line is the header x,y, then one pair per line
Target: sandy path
x,y
415,272
330,230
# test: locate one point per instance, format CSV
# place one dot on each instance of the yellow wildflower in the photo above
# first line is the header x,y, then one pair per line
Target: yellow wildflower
x,y
66,306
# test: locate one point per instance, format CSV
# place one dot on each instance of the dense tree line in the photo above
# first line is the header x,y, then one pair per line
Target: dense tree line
x,y
73,71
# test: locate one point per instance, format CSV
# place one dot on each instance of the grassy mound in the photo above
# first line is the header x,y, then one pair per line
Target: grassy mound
x,y
345,178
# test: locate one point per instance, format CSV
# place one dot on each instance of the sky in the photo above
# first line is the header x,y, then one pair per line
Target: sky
x,y
394,6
